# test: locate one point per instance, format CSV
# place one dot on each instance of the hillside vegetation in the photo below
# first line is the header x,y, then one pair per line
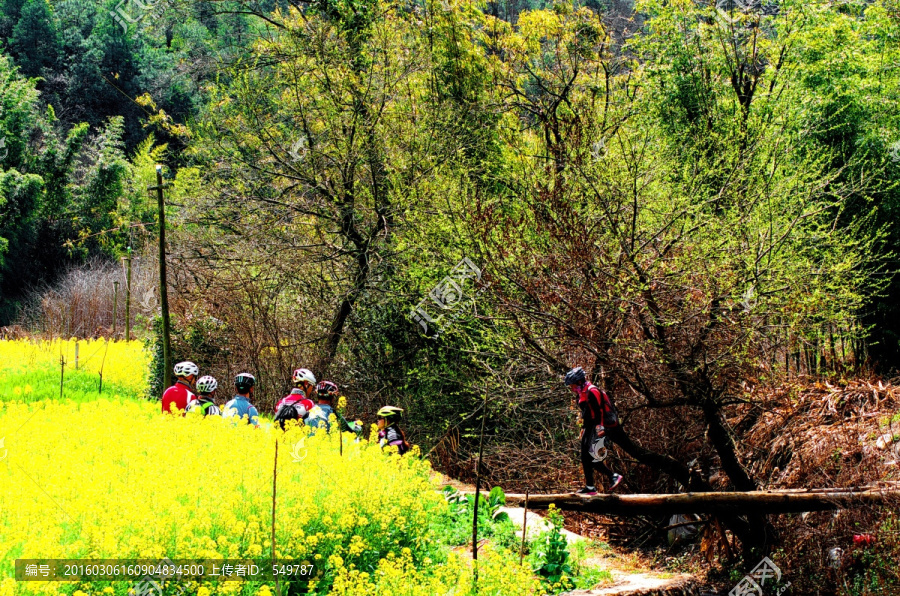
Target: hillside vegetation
x,y
444,206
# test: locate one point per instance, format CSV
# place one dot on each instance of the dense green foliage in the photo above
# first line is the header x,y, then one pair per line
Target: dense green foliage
x,y
686,199
82,87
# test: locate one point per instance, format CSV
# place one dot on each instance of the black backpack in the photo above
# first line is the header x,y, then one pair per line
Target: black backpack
x,y
287,412
610,414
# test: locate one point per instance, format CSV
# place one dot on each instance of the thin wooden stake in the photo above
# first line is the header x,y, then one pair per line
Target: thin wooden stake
x,y
62,375
103,364
115,329
524,526
478,494
274,493
128,296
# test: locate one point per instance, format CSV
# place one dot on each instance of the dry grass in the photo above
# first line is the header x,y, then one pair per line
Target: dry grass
x,y
83,303
826,435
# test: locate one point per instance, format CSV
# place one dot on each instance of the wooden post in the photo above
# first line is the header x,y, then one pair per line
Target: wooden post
x,y
843,350
163,288
833,352
274,493
524,526
478,488
128,296
115,308
76,354
62,375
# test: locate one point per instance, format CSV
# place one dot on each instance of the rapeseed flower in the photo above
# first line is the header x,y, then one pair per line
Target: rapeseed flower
x,y
112,478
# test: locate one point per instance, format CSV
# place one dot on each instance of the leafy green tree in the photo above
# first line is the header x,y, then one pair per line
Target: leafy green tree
x,y
20,191
34,41
327,136
60,196
668,225
852,111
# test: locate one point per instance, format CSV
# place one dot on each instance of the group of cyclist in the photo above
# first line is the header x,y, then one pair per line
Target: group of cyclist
x,y
193,393
600,421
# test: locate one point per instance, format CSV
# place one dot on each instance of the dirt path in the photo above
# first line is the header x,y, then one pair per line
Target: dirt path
x,y
629,577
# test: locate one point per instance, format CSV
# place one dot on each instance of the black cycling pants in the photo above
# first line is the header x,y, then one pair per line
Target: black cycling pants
x,y
587,460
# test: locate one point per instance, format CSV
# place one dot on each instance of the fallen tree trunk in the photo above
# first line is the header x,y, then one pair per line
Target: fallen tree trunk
x,y
735,503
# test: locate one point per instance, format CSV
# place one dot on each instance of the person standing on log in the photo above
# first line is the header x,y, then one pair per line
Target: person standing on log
x,y
600,419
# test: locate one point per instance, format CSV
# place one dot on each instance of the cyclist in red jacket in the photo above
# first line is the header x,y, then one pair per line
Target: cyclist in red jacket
x,y
296,405
600,419
181,393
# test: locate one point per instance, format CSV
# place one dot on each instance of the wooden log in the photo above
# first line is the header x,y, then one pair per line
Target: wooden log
x,y
735,503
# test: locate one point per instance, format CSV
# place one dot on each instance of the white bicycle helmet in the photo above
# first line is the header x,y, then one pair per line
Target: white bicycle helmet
x,y
207,384
186,369
303,374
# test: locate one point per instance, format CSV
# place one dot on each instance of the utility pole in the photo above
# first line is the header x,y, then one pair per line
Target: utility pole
x,y
128,296
163,289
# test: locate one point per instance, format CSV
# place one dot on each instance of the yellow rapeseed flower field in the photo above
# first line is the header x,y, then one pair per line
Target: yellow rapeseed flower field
x,y
31,369
115,479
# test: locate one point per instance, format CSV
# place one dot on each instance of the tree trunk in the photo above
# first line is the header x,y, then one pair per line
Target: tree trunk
x,y
343,313
716,503
665,464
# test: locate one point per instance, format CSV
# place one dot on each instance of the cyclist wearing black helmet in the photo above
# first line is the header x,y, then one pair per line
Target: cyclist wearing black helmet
x,y
240,406
600,421
320,414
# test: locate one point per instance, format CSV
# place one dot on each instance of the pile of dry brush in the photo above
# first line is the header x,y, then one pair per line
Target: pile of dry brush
x,y
844,435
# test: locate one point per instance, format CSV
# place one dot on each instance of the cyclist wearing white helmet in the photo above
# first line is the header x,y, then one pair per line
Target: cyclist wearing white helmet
x,y
296,404
305,380
205,402
181,393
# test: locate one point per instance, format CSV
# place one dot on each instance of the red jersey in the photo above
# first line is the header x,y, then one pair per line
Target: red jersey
x,y
295,398
178,395
595,406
